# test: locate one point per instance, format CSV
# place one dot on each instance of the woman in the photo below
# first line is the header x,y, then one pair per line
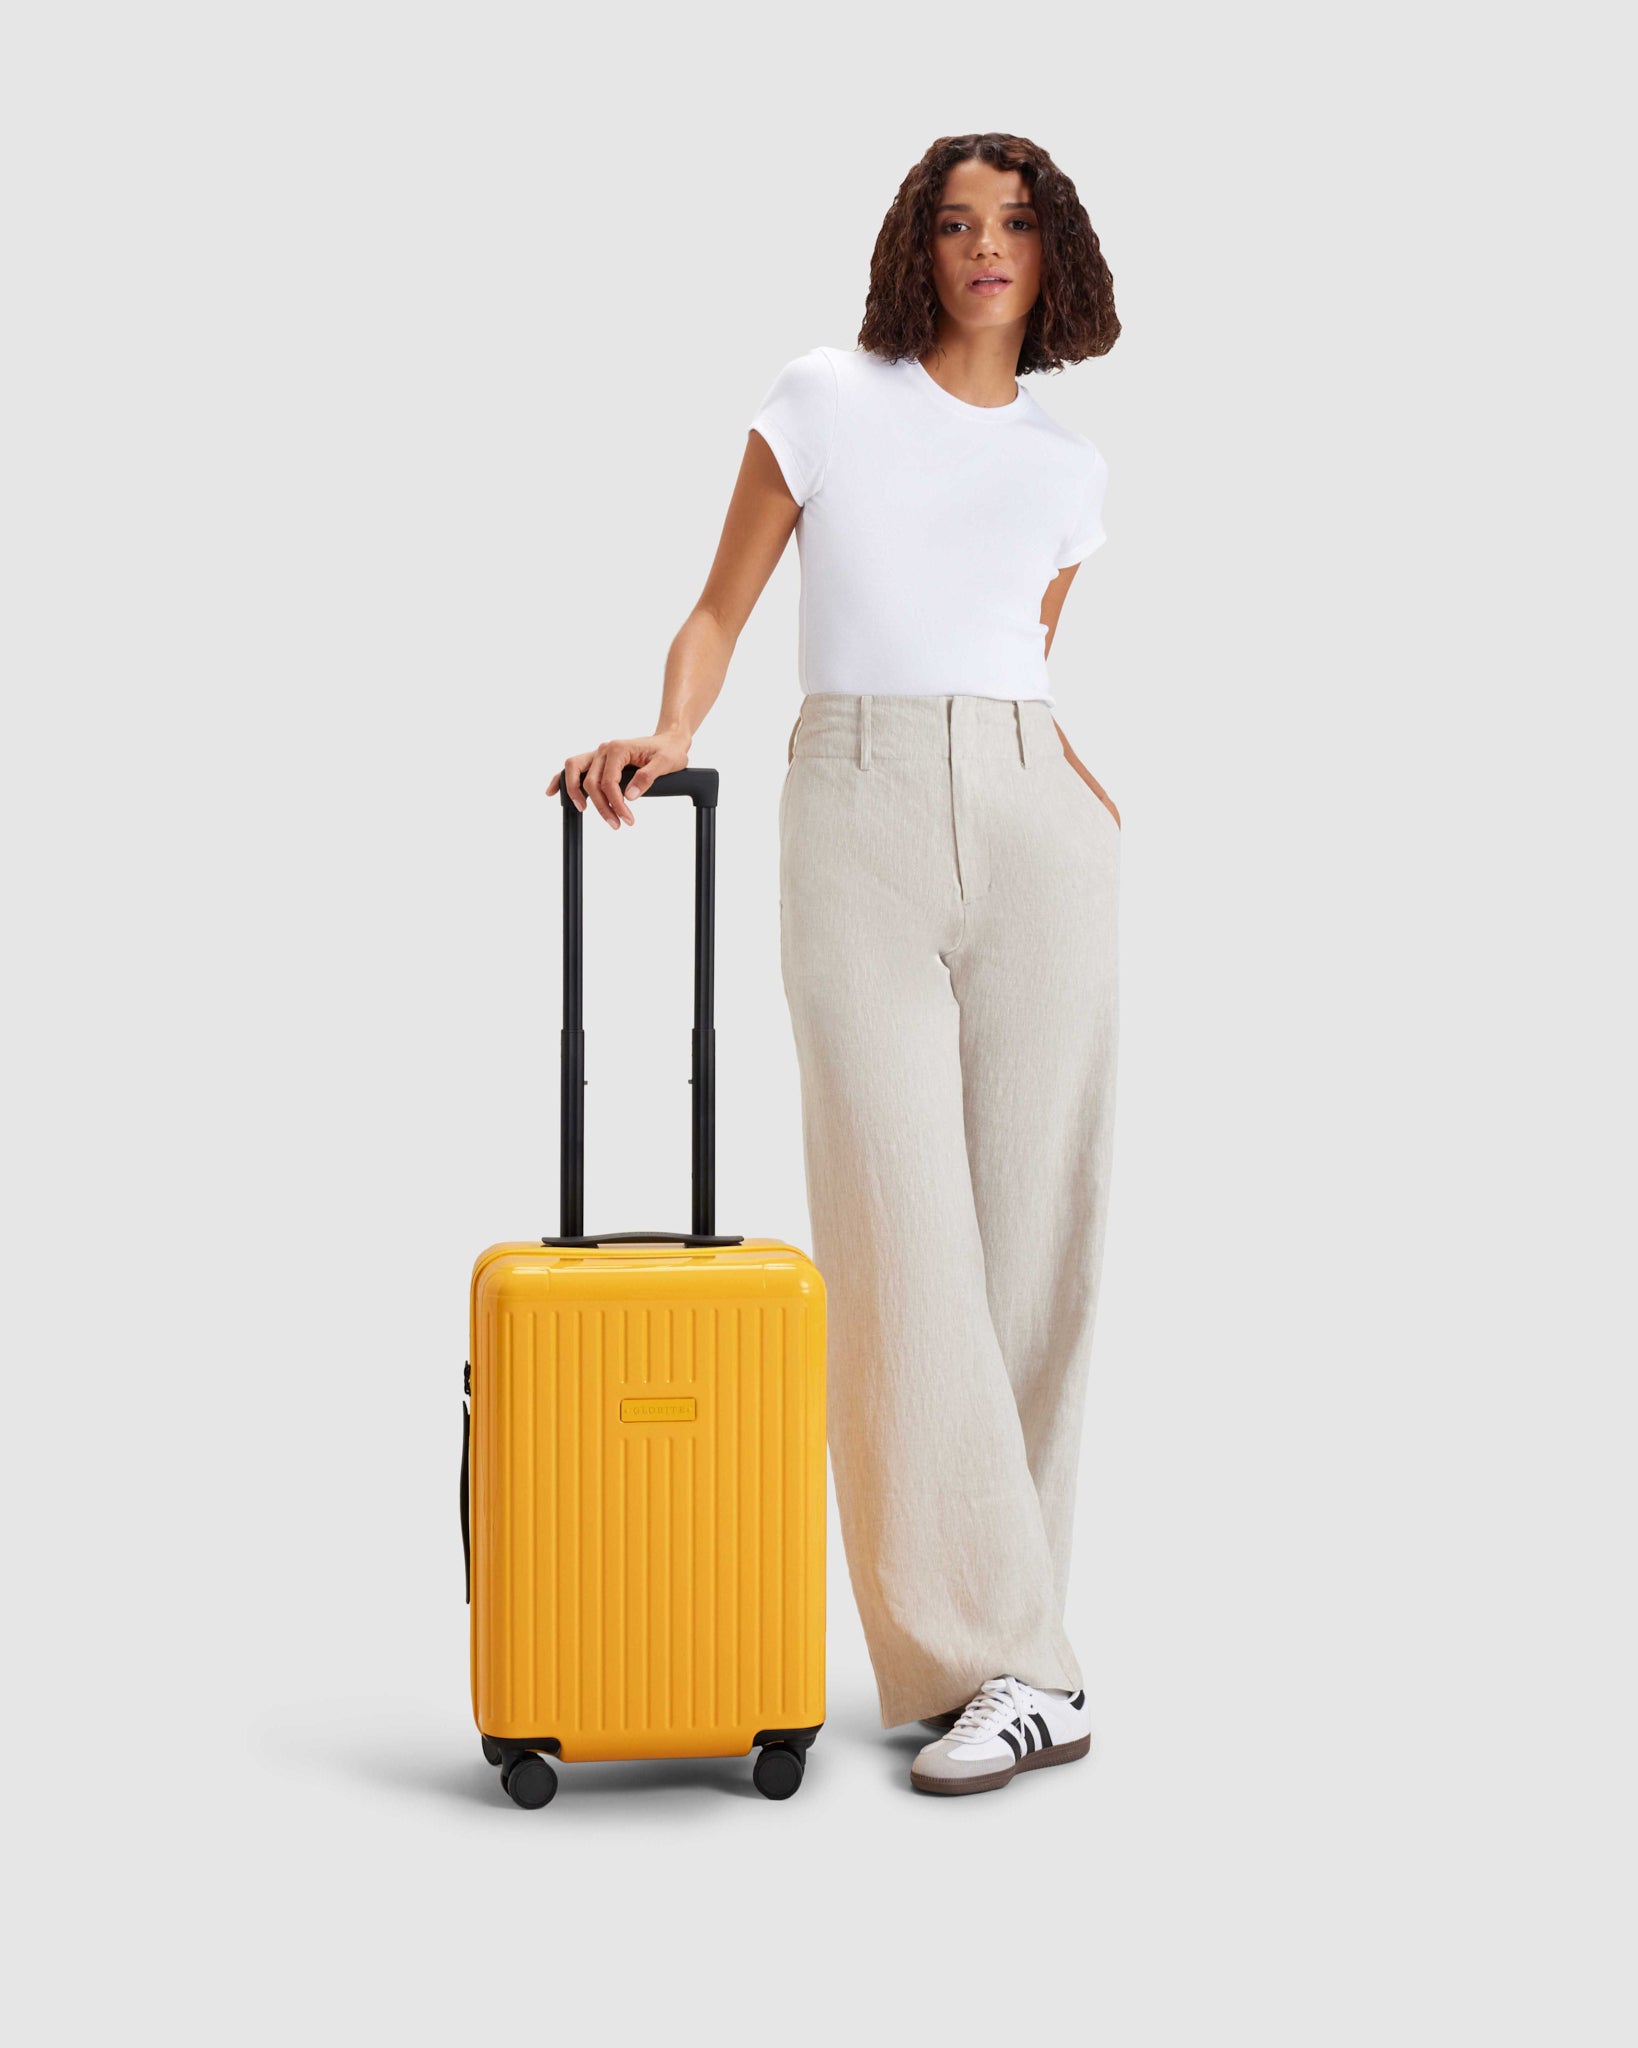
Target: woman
x,y
948,885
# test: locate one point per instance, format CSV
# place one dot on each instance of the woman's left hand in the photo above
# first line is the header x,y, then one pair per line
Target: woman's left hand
x,y
1095,786
1084,772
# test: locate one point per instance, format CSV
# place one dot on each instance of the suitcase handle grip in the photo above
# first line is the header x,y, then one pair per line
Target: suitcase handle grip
x,y
699,783
644,1237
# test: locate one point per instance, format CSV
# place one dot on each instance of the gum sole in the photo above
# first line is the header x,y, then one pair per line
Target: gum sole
x,y
1037,1760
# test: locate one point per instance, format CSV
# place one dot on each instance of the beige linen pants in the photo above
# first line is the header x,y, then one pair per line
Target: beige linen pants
x,y
948,890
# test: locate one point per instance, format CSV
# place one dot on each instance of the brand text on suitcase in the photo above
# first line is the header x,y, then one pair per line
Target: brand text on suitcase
x,y
658,1411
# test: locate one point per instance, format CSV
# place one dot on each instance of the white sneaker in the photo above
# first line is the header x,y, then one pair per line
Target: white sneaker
x,y
1006,1727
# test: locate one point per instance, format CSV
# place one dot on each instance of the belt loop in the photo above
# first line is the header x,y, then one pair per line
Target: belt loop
x,y
1019,720
864,732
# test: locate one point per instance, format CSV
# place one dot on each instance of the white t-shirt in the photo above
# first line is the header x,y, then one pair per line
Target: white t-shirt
x,y
929,529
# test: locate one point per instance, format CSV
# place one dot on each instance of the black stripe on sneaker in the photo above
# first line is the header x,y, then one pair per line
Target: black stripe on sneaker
x,y
1046,1732
1079,1700
1028,1734
1011,1741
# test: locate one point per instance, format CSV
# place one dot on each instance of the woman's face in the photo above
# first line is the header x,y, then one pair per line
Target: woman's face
x,y
985,227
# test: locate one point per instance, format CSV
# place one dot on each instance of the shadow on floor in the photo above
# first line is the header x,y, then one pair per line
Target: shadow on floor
x,y
425,1760
428,1757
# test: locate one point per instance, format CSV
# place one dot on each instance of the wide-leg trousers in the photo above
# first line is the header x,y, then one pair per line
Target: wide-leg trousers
x,y
948,892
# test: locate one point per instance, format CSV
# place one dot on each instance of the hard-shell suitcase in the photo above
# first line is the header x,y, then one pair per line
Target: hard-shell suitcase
x,y
643,1458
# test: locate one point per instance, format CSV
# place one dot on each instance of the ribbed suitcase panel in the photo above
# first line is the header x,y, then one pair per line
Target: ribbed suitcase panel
x,y
648,1587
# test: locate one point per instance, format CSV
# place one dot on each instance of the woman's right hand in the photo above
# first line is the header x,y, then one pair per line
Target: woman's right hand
x,y
595,777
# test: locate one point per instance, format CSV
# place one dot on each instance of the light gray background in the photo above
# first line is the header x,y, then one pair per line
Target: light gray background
x,y
376,378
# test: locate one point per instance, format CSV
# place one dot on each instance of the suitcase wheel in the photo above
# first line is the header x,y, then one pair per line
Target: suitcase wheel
x,y
492,1753
529,1780
777,1772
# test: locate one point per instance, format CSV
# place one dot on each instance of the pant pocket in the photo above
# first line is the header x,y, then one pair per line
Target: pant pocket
x,y
1090,796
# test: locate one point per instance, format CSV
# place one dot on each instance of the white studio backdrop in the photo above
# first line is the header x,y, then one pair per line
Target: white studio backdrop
x,y
376,379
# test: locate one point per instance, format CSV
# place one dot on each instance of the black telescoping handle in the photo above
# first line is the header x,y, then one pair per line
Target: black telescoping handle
x,y
701,785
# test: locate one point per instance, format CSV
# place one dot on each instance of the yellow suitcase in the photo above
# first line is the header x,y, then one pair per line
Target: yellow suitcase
x,y
643,1458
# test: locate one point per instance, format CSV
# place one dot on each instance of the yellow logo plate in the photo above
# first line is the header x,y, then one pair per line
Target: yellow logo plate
x,y
679,1410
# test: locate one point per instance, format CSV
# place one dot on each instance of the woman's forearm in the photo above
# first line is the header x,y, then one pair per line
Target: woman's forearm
x,y
695,668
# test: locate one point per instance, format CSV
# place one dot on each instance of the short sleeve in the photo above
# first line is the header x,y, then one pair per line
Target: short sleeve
x,y
797,419
1088,533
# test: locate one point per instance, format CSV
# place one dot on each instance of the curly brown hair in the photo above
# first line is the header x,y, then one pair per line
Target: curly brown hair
x,y
1074,313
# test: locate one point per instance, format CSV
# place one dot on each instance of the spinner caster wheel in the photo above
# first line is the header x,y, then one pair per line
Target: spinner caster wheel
x,y
777,1772
491,1750
529,1781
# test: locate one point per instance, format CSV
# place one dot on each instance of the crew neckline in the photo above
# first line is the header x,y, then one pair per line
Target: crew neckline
x,y
1013,408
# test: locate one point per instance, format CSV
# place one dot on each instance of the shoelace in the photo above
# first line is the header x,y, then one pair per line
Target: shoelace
x,y
997,1701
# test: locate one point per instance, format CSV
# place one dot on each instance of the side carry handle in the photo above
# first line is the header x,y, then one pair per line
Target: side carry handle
x,y
466,1478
